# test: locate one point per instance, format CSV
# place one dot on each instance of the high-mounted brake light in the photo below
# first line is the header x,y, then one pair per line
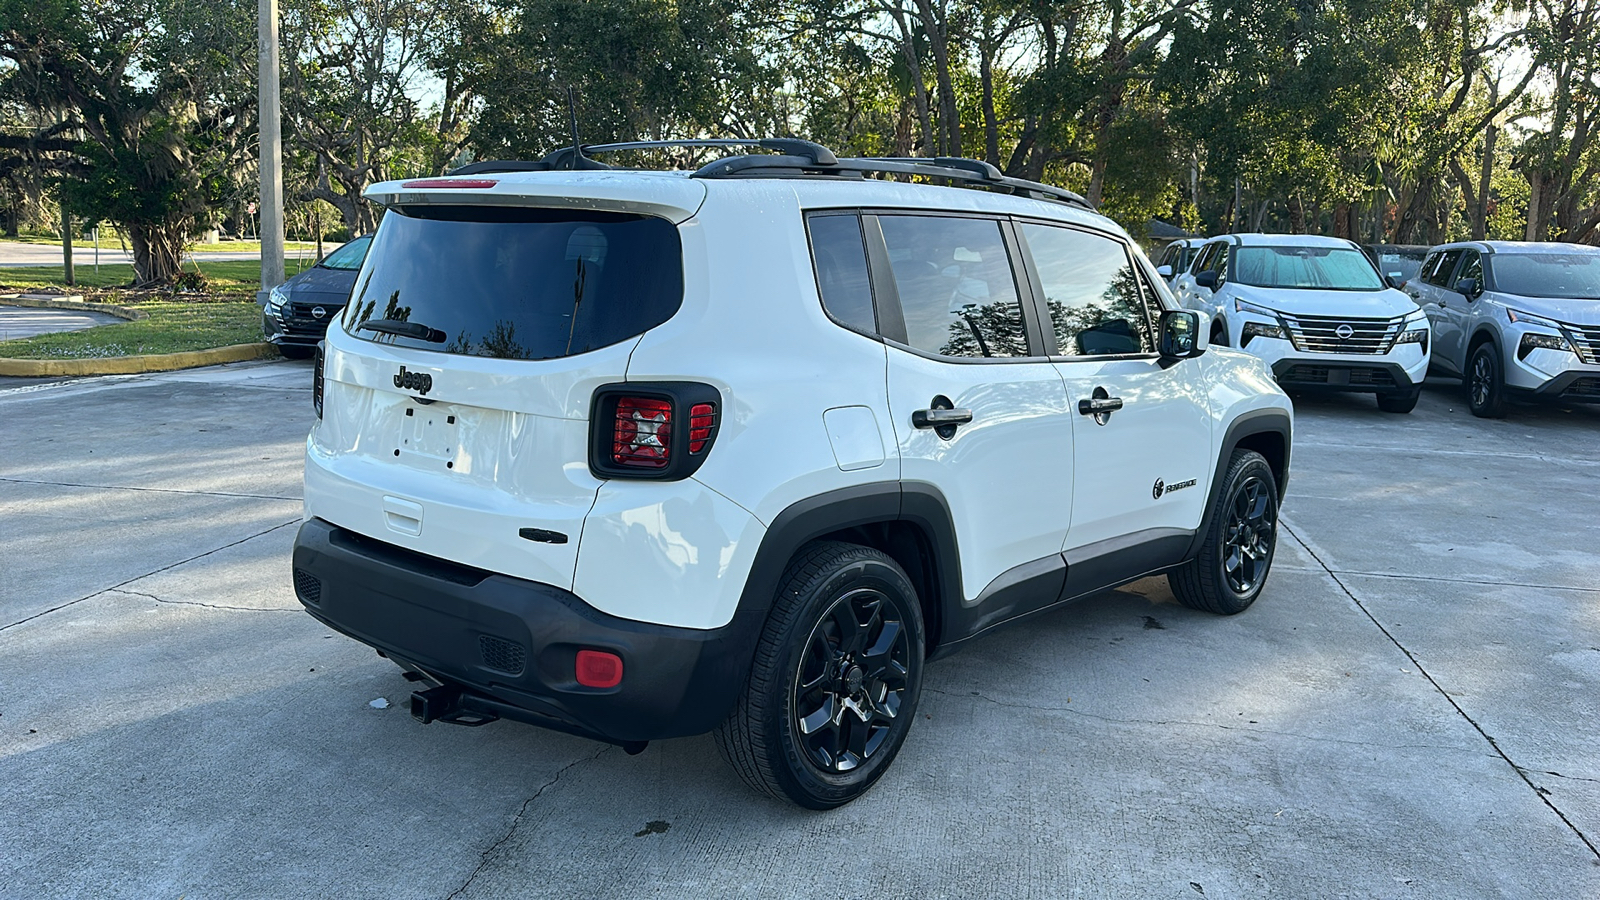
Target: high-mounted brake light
x,y
466,183
643,435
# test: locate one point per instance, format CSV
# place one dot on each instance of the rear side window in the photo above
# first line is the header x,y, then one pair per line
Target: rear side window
x,y
1097,305
515,283
840,258
956,285
1440,273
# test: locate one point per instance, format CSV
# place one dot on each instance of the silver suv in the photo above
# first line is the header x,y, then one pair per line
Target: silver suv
x,y
1514,319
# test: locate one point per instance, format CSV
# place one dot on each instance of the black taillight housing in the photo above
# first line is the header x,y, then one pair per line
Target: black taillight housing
x,y
316,382
658,430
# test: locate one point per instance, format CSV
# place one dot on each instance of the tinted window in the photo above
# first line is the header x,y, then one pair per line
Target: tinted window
x,y
1570,275
840,257
1219,262
1327,268
1440,274
1203,260
956,288
348,257
518,283
1471,267
1097,306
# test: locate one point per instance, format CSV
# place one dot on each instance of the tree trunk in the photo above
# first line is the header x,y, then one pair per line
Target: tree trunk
x,y
991,123
949,113
1480,212
1297,215
1537,216
157,253
1344,222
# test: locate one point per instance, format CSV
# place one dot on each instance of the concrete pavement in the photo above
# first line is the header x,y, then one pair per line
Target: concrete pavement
x,y
1408,711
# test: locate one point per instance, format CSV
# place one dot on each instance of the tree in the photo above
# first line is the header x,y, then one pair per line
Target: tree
x,y
155,107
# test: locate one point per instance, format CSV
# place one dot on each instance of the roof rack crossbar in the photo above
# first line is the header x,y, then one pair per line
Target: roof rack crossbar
x,y
969,171
568,158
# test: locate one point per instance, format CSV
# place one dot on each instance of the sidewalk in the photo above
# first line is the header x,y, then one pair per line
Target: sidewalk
x,y
17,253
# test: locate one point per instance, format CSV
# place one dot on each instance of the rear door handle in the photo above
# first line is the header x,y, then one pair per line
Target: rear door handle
x,y
936,418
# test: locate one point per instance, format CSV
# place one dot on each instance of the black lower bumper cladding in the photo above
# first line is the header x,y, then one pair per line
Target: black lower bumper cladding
x,y
504,647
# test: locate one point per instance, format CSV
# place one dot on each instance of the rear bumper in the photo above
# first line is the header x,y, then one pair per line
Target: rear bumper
x,y
516,641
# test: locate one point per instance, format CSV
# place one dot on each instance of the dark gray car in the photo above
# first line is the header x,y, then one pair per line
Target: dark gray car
x,y
298,311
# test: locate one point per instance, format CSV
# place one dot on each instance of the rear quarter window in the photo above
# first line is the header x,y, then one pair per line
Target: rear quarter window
x,y
516,282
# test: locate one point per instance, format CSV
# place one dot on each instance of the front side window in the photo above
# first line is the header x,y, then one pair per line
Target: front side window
x,y
1471,267
515,282
1564,275
840,258
1322,268
1097,305
956,286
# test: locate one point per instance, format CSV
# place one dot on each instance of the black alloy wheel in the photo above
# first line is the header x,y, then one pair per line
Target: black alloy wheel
x,y
833,688
1248,537
1235,556
1486,389
852,680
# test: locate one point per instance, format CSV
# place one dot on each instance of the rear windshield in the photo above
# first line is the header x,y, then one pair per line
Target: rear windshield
x,y
1402,264
515,283
1324,268
1571,276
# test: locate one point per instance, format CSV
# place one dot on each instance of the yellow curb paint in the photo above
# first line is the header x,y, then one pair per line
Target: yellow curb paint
x,y
135,365
121,312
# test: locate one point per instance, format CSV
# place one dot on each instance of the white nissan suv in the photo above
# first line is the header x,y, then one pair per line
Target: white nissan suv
x,y
1514,319
1316,310
638,455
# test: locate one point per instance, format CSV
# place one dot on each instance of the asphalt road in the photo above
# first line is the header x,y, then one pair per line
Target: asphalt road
x,y
1410,710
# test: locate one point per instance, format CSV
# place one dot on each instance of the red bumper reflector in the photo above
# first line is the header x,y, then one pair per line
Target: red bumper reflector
x,y
599,669
451,183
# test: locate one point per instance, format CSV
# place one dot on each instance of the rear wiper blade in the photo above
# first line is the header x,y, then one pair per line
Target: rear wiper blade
x,y
405,329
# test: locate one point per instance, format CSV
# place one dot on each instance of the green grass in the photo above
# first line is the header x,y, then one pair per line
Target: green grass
x,y
238,276
173,326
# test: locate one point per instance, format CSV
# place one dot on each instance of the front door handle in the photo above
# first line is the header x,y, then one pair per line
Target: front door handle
x,y
1099,405
938,418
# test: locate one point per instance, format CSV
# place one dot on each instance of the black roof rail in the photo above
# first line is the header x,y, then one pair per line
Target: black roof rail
x,y
795,158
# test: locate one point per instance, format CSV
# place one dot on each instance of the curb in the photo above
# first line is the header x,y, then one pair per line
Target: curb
x,y
110,309
136,365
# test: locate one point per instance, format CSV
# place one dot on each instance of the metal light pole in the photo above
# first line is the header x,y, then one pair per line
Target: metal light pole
x,y
271,151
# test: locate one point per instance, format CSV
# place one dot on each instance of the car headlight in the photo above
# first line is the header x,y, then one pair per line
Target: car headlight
x,y
1246,307
1261,329
1533,341
1415,336
1519,317
276,298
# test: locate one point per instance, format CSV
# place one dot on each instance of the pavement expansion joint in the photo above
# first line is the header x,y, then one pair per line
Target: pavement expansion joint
x,y
516,821
1558,775
119,487
1496,454
1185,723
1522,773
198,603
43,613
1484,583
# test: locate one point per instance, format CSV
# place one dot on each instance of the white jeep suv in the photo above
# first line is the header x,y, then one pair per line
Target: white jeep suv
x,y
1514,319
1316,310
638,454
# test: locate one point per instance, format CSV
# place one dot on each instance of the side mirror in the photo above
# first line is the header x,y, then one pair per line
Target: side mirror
x,y
1180,335
1394,280
1164,271
1206,279
1469,288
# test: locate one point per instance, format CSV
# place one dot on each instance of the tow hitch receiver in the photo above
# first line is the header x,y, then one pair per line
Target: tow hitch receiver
x,y
447,703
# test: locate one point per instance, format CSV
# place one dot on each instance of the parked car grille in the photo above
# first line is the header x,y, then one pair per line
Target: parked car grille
x,y
1338,376
1586,339
298,316
1322,334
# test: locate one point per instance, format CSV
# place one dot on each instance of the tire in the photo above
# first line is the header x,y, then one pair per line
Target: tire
x,y
1219,335
780,738
1236,555
294,351
1486,383
1399,403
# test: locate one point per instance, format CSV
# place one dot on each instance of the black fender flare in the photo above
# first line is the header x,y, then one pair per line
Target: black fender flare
x,y
1258,421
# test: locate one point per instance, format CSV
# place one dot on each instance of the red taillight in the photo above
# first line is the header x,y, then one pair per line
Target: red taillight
x,y
701,417
469,183
598,669
643,434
